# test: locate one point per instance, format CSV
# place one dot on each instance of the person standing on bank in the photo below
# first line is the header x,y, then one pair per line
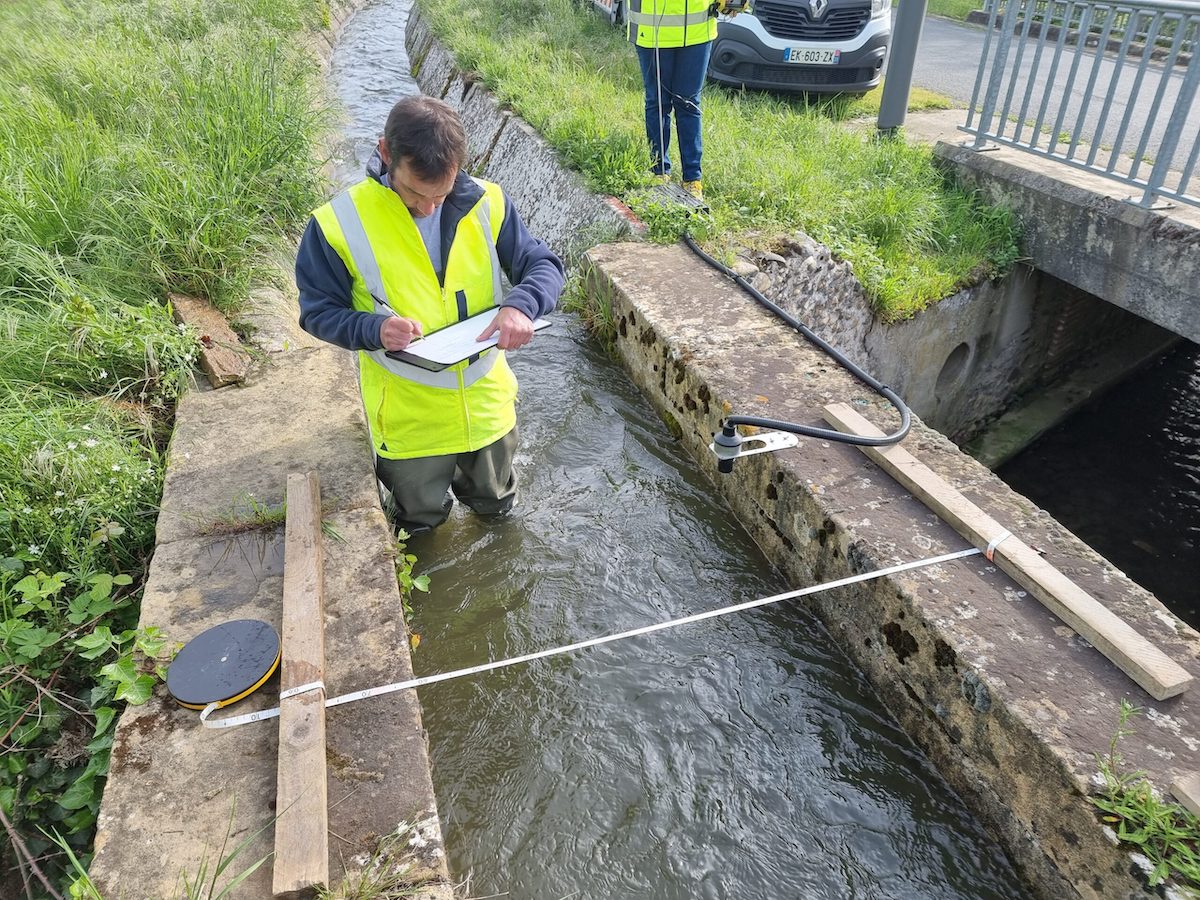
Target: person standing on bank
x,y
673,40
414,247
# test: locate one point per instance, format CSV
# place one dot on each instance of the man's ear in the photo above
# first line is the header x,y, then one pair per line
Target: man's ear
x,y
383,153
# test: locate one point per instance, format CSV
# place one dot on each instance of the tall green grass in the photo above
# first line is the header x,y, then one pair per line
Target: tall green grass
x,y
771,164
147,146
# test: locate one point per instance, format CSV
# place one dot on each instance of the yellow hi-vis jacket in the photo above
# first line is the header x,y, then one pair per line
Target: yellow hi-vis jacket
x,y
413,412
671,23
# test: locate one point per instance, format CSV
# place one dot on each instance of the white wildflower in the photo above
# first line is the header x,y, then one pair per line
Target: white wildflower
x,y
35,549
71,445
103,373
91,442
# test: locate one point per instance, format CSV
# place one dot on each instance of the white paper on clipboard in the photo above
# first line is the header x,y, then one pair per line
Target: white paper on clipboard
x,y
456,342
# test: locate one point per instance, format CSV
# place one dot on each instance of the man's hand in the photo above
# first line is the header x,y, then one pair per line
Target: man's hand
x,y
515,328
398,333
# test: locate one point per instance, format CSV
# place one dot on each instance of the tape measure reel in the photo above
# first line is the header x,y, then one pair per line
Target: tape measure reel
x,y
224,664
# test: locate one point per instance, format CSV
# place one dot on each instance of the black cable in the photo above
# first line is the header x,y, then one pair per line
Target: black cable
x,y
730,423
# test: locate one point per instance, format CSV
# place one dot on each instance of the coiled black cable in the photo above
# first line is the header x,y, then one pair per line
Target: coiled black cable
x,y
730,423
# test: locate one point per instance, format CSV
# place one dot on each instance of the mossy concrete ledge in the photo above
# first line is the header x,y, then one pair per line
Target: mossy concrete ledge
x,y
179,794
1009,703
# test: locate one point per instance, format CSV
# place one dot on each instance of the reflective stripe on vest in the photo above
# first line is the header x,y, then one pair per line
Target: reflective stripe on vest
x,y
668,24
368,267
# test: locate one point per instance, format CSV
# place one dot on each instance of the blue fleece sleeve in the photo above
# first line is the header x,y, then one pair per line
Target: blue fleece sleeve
x,y
325,308
533,269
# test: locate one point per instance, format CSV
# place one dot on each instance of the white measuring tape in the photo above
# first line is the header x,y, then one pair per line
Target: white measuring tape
x,y
367,693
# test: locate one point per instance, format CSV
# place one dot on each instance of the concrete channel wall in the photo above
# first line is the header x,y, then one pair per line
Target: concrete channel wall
x,y
1009,703
178,793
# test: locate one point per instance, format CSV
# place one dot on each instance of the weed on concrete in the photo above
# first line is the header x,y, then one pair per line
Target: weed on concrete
x,y
147,147
772,164
1164,834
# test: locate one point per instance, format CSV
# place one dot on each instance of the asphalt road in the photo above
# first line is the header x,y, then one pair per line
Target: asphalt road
x,y
948,62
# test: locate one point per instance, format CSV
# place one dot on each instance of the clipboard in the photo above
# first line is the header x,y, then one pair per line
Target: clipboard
x,y
454,343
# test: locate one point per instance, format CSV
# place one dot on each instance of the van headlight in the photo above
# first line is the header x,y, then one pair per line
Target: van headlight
x,y
880,8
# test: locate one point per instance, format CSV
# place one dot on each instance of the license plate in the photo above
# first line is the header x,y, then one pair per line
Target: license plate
x,y
812,57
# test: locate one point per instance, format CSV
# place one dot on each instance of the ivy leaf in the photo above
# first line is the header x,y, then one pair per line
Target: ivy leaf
x,y
421,583
96,644
123,671
101,693
80,794
77,822
104,742
104,717
149,642
137,691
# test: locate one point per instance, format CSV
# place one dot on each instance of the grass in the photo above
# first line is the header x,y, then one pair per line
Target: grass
x,y
773,164
147,146
1165,833
951,9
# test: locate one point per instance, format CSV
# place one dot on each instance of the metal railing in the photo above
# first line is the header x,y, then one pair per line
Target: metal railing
x,y
1104,86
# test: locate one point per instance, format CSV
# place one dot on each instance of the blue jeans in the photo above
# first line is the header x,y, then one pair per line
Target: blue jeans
x,y
674,84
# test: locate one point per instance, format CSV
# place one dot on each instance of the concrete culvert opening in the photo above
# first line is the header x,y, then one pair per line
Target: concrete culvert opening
x,y
953,369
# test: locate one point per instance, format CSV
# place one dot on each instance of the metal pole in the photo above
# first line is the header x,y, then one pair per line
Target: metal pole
x,y
1166,150
896,87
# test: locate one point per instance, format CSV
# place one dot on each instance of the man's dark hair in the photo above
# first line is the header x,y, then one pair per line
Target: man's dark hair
x,y
427,133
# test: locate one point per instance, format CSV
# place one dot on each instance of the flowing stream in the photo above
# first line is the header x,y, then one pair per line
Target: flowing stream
x,y
740,757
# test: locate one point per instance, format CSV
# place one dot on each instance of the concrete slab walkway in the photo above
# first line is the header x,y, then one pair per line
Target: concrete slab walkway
x,y
175,788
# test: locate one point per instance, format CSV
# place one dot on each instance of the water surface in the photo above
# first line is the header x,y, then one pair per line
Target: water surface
x,y
1124,475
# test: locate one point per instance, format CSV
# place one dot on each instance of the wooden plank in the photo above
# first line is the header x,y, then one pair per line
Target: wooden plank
x,y
1186,789
221,355
1156,673
302,827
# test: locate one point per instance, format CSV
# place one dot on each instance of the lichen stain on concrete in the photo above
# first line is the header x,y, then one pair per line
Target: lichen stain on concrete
x,y
976,693
349,769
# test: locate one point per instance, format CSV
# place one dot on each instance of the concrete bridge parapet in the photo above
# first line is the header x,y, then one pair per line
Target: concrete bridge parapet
x,y
1076,229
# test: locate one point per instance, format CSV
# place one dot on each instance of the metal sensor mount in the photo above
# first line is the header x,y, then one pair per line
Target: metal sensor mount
x,y
728,445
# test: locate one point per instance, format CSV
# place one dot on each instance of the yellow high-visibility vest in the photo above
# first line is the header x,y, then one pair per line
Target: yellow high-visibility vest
x,y
413,412
671,23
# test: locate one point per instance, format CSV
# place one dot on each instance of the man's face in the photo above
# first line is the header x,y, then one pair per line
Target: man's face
x,y
421,196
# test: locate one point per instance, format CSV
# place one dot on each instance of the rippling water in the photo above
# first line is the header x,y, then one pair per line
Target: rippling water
x,y
1124,475
740,757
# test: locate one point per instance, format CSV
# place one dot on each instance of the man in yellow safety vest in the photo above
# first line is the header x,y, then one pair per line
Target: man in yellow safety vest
x,y
416,246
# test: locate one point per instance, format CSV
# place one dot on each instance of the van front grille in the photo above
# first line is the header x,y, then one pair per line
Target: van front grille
x,y
793,21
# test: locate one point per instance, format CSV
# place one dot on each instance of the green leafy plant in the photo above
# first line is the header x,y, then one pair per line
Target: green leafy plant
x,y
1167,834
407,581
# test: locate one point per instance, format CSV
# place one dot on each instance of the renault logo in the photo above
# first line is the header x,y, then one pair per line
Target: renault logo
x,y
818,7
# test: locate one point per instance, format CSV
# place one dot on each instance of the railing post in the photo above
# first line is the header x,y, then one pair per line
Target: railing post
x,y
1170,141
999,61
